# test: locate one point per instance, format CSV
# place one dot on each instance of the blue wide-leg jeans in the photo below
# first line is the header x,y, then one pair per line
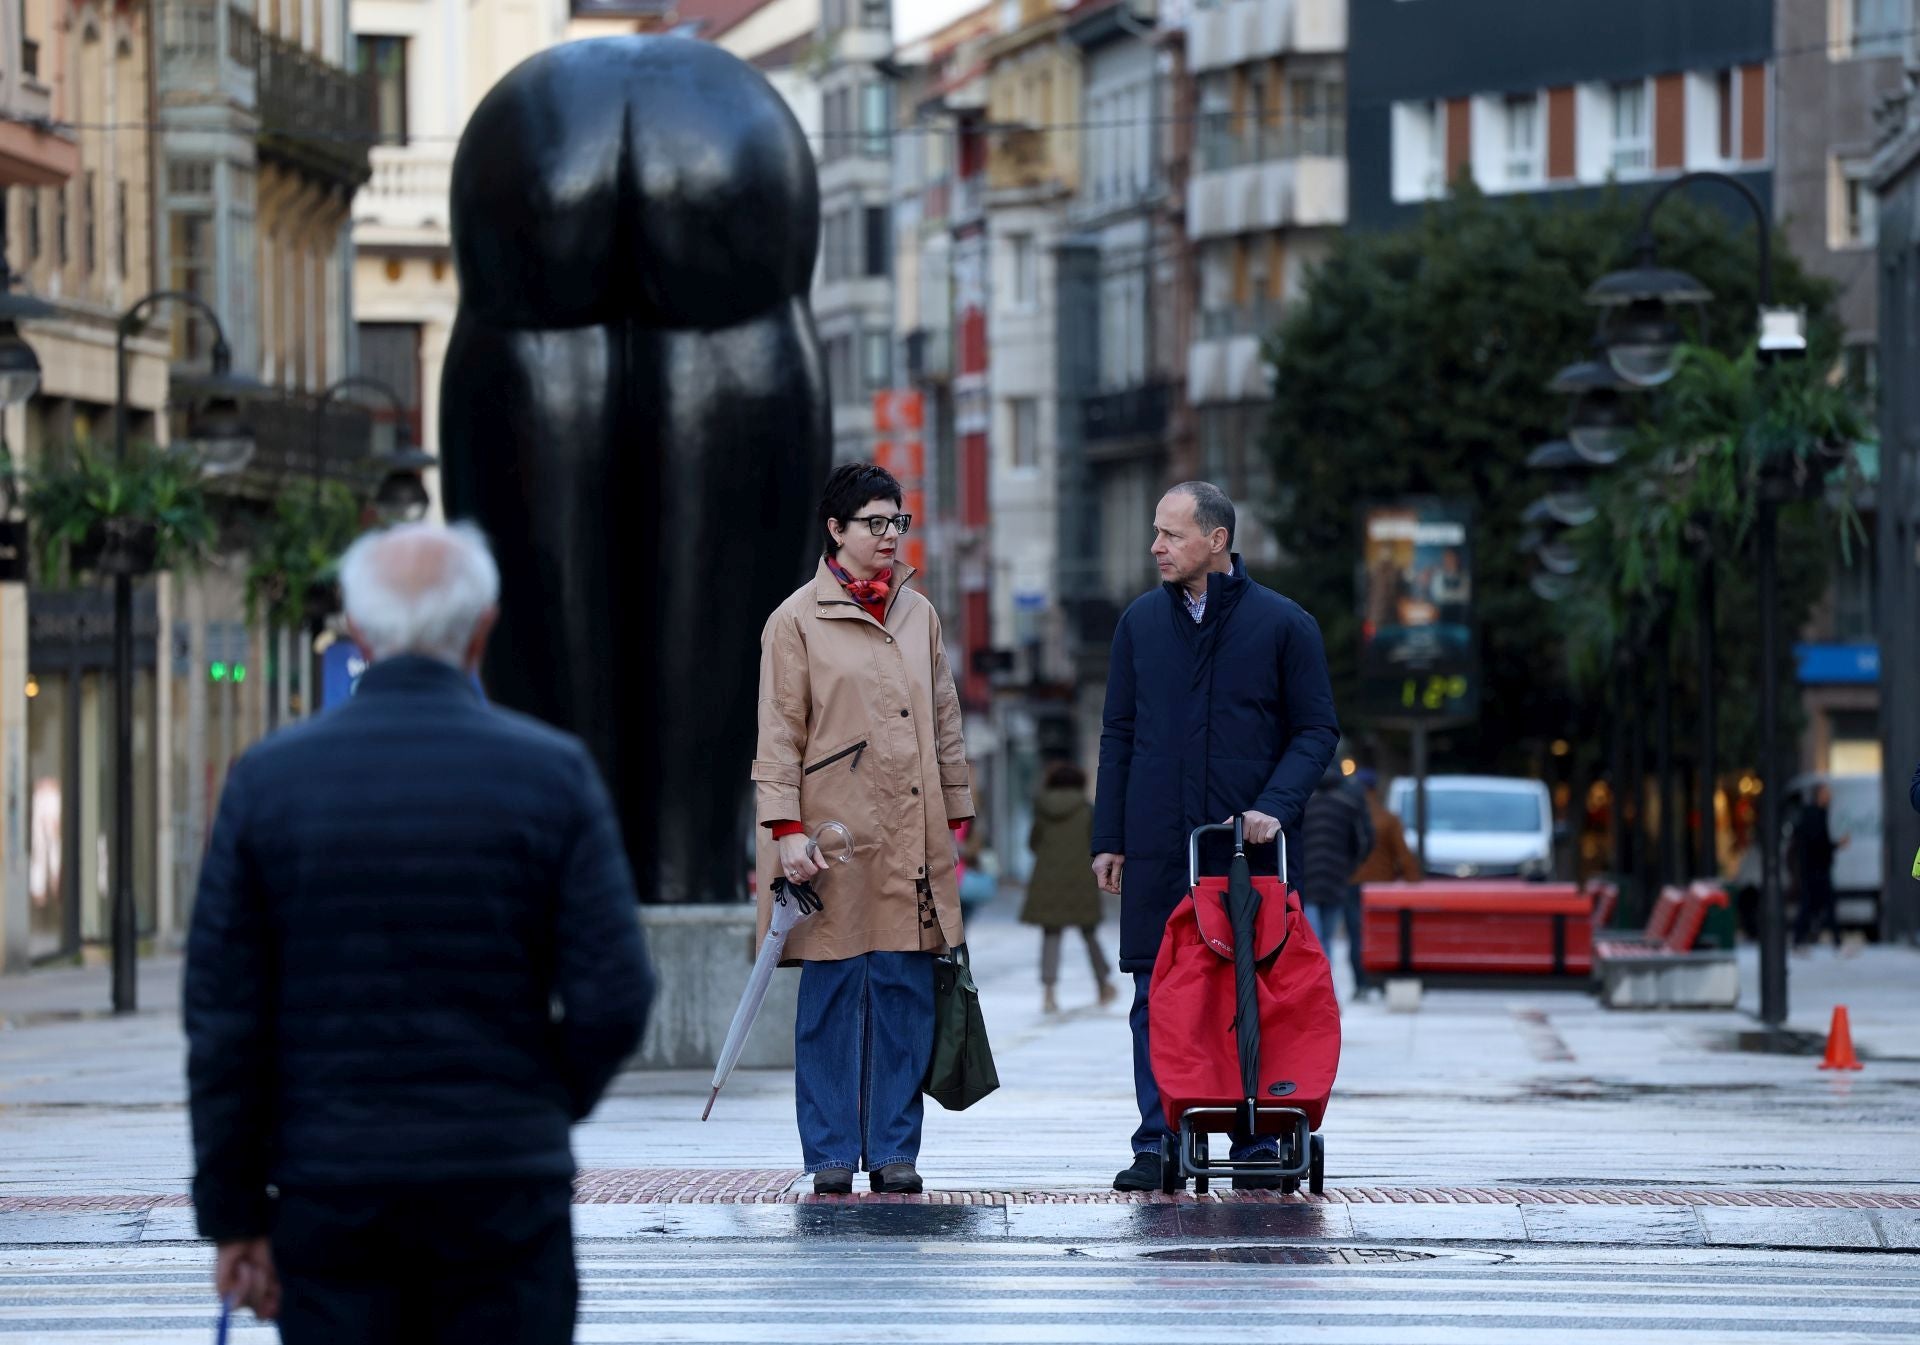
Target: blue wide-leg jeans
x,y
863,1038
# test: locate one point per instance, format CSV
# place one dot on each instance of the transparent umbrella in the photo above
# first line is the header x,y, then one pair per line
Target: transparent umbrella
x,y
792,903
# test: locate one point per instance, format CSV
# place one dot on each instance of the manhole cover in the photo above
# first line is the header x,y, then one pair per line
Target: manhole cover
x,y
1290,1256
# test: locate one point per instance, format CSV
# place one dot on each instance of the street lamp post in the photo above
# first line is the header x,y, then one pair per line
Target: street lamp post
x,y
399,497
223,442
1643,347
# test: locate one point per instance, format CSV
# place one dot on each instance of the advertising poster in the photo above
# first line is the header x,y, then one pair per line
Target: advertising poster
x,y
1418,641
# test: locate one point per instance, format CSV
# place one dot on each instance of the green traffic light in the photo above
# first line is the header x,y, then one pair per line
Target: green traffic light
x,y
239,672
217,671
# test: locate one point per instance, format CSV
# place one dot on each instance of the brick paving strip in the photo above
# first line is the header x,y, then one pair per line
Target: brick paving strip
x,y
774,1186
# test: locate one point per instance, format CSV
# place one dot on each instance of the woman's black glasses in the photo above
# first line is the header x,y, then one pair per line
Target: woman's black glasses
x,y
877,523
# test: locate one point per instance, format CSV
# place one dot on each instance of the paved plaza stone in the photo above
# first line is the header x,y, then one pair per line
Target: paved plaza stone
x,y
1498,1160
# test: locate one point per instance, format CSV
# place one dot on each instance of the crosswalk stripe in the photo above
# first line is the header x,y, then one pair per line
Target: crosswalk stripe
x,y
855,1292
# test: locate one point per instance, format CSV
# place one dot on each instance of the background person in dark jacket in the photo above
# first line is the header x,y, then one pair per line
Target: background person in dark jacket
x,y
1218,703
1813,851
1335,836
414,964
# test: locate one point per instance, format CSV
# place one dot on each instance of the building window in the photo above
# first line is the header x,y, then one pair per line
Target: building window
x,y
1024,412
1217,144
1723,88
1419,151
1630,151
1855,218
390,352
1878,28
190,259
1024,284
830,249
1317,117
841,384
879,240
876,360
89,232
1522,138
874,109
876,14
833,16
836,107
384,61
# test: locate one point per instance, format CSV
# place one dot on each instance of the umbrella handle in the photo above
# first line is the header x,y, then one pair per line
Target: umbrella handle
x,y
1238,828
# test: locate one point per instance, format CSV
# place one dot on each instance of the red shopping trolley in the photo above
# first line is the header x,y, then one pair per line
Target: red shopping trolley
x,y
1245,1026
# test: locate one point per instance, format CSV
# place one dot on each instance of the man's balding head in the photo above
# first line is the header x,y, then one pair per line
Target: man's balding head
x,y
421,588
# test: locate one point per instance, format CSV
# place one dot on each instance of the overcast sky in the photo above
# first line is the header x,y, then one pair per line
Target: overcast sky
x,y
914,19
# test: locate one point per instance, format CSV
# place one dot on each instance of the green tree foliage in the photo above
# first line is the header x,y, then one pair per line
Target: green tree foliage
x,y
1418,364
296,556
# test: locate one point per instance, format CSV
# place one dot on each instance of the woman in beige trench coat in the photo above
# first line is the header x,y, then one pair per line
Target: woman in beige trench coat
x,y
860,724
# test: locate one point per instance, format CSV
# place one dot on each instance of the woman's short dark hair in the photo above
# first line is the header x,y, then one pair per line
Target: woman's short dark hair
x,y
849,486
1066,775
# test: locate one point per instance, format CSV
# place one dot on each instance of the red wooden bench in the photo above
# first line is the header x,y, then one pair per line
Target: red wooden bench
x,y
1678,916
1663,969
1468,928
1606,899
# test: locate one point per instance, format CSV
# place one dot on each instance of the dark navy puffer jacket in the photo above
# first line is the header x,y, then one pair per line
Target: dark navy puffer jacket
x,y
1204,721
414,957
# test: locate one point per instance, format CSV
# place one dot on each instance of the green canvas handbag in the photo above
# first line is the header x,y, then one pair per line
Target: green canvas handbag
x,y
961,1071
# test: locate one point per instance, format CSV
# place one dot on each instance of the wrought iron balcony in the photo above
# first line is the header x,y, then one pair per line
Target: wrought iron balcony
x,y
297,442
1131,413
315,117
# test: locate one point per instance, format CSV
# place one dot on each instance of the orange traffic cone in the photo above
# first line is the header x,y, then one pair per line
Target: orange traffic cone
x,y
1840,1043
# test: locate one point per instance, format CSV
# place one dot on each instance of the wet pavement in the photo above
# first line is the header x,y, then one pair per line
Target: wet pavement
x,y
852,1292
1482,1150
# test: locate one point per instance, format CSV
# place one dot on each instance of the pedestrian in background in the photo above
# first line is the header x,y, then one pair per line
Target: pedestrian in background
x,y
1061,894
414,963
1814,847
1336,835
860,724
1218,704
1391,860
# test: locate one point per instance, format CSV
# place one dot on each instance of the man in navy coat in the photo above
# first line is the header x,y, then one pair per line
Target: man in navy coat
x,y
415,963
1218,702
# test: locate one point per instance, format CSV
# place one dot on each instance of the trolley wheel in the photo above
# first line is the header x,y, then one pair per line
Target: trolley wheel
x,y
1200,1160
1169,1165
1288,1185
1317,1173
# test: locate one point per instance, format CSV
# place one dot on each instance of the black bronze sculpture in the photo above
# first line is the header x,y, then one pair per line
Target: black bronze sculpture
x,y
633,409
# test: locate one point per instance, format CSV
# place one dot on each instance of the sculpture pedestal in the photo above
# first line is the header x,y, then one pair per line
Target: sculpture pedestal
x,y
701,958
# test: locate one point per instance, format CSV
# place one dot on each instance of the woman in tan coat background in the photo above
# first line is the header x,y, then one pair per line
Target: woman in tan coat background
x,y
860,724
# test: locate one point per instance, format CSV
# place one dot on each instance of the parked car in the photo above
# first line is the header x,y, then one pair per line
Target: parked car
x,y
1480,826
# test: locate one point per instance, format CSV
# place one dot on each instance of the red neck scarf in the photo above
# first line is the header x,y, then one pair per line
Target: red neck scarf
x,y
869,593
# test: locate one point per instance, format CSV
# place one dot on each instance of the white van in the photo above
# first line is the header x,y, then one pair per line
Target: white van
x,y
1480,826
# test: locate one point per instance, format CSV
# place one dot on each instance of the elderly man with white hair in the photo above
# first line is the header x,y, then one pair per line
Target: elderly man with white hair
x,y
414,964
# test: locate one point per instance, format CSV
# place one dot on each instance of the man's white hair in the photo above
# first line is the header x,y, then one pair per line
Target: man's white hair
x,y
419,588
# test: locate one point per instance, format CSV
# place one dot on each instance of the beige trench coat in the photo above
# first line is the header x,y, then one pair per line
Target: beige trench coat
x,y
860,724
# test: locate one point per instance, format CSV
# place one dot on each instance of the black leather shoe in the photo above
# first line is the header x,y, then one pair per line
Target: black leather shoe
x,y
895,1179
833,1182
1144,1175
